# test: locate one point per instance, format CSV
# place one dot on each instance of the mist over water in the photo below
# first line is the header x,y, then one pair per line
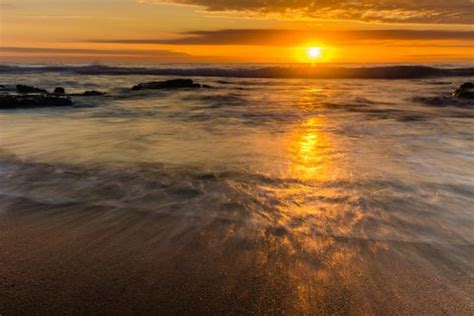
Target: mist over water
x,y
293,195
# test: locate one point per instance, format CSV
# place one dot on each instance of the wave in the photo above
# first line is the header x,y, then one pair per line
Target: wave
x,y
317,72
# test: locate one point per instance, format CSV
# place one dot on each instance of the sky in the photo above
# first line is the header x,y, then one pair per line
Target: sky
x,y
233,31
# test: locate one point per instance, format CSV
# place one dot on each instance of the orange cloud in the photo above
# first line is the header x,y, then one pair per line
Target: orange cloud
x,y
277,37
401,11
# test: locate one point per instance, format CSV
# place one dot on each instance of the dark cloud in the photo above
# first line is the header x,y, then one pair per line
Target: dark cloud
x,y
292,37
401,11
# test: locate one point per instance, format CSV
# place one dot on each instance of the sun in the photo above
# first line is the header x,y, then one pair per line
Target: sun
x,y
314,52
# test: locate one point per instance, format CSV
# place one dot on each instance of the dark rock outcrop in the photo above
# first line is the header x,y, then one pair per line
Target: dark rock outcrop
x,y
8,102
59,91
465,91
27,89
31,97
33,101
169,84
92,93
467,86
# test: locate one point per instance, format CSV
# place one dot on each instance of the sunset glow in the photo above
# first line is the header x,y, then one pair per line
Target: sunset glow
x,y
151,31
236,157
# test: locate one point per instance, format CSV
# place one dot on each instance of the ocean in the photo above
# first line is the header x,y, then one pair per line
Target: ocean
x,y
279,190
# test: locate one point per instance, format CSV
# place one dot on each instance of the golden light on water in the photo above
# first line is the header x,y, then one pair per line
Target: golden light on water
x,y
309,150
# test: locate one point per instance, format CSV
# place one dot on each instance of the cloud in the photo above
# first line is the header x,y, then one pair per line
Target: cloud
x,y
6,5
47,54
398,11
293,37
94,52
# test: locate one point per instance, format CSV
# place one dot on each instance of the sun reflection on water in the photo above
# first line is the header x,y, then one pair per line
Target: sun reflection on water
x,y
310,150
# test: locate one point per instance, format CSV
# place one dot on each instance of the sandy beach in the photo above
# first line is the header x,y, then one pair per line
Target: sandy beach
x,y
72,260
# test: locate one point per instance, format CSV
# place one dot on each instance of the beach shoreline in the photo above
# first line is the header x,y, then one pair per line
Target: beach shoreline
x,y
94,260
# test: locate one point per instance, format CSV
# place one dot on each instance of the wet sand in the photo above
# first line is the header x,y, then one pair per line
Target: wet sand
x,y
71,259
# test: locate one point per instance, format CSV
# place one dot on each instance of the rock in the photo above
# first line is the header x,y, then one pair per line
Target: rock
x,y
467,85
59,91
27,89
169,84
8,102
33,101
92,93
205,86
465,91
464,94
